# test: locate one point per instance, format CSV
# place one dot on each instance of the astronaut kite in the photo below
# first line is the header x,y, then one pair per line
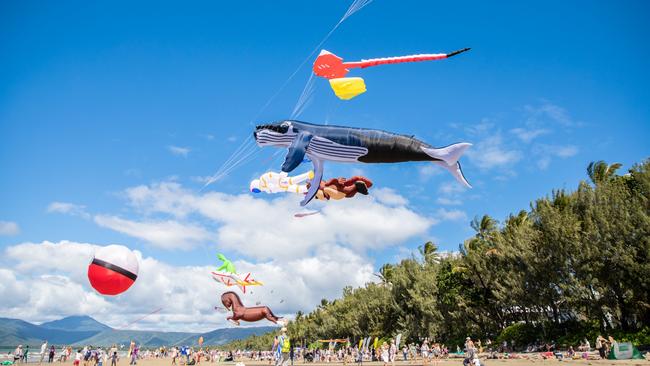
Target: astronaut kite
x,y
335,188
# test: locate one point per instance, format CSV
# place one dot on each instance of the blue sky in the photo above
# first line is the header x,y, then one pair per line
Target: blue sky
x,y
97,98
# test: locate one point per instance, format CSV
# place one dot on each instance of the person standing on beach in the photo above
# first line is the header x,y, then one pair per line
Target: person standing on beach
x,y
18,353
600,346
384,353
25,353
275,350
114,357
424,351
469,352
284,344
50,357
610,343
392,352
77,358
100,358
42,354
134,355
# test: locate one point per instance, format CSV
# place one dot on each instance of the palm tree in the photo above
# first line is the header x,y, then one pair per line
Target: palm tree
x,y
429,252
484,226
600,172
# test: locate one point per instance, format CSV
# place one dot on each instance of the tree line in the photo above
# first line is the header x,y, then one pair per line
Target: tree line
x,y
573,265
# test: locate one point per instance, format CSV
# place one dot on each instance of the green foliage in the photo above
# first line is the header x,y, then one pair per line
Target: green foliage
x,y
641,337
521,333
261,342
575,265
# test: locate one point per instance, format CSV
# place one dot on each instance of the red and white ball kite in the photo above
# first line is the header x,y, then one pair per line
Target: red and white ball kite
x,y
113,270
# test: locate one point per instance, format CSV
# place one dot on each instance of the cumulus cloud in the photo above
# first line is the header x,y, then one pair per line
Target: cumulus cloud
x,y
389,196
178,150
250,225
68,209
166,234
47,280
300,260
9,228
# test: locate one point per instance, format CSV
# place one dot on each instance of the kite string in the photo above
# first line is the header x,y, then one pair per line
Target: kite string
x,y
142,317
242,150
232,156
243,160
305,97
244,146
354,7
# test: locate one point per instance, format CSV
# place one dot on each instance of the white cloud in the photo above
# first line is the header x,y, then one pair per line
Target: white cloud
x,y
299,260
528,135
9,228
167,234
448,201
68,209
450,215
47,281
426,171
491,153
548,112
389,196
565,151
252,225
179,151
545,153
451,188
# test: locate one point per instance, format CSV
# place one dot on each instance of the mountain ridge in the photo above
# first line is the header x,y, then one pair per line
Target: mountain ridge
x,y
85,330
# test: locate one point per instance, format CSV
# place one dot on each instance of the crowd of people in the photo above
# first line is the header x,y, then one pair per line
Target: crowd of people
x,y
282,353
46,354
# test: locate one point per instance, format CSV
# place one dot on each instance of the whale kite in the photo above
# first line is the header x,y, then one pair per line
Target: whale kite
x,y
322,143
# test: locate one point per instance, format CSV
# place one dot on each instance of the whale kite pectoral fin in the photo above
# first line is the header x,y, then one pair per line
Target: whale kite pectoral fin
x,y
297,151
456,171
449,154
315,181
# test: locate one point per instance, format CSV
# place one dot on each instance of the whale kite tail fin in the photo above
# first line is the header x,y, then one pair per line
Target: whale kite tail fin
x,y
449,154
456,171
447,157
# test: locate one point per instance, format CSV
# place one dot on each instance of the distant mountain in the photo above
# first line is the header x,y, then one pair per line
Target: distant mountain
x,y
77,323
15,331
155,339
84,330
143,337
